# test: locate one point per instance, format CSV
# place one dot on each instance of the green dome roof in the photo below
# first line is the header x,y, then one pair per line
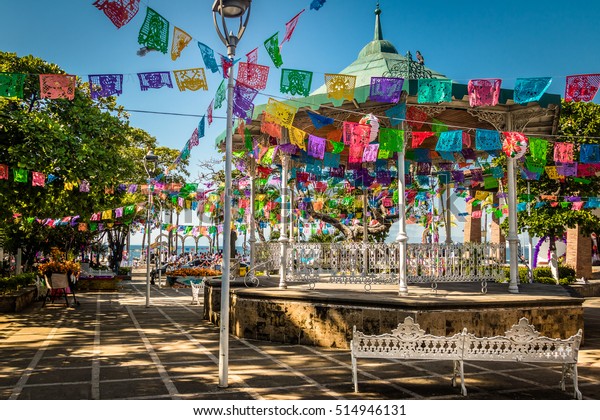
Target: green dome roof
x,y
378,45
375,47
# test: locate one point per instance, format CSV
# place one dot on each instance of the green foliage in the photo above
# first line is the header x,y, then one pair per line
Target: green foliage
x,y
73,140
541,272
15,283
579,124
543,275
565,271
523,274
124,271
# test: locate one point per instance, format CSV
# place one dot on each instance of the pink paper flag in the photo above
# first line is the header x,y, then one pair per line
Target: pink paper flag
x,y
582,87
289,28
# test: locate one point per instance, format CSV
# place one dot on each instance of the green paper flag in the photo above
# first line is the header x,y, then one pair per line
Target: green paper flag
x,y
20,175
11,85
267,158
247,139
272,46
538,149
154,32
220,95
490,182
338,146
438,127
391,139
384,154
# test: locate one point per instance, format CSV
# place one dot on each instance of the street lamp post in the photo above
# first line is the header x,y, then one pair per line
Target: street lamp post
x,y
150,157
228,9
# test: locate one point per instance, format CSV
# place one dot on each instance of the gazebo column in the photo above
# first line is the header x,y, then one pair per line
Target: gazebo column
x,y
513,238
283,239
252,239
448,215
402,238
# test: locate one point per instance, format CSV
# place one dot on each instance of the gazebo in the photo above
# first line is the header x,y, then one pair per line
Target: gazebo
x,y
398,262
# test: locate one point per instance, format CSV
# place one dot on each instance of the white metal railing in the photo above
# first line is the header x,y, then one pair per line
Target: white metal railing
x,y
469,262
377,263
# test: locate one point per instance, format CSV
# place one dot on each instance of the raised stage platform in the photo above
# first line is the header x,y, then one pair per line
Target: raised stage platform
x,y
325,316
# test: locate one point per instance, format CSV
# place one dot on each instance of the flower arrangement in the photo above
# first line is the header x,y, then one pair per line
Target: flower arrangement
x,y
57,264
193,272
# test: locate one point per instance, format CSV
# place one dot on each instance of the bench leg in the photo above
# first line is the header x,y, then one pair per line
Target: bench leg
x,y
576,391
459,370
570,369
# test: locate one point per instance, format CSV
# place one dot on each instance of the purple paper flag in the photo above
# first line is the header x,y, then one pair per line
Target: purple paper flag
x,y
316,147
155,80
104,85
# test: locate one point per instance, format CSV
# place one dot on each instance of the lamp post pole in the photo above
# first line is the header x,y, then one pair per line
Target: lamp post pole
x,y
228,9
150,157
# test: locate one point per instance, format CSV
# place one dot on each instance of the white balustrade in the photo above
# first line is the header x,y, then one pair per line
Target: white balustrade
x,y
352,263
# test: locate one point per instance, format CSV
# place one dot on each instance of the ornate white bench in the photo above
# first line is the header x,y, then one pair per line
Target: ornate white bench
x,y
408,342
522,343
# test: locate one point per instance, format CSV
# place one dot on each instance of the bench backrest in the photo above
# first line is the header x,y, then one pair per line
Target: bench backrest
x,y
523,343
408,341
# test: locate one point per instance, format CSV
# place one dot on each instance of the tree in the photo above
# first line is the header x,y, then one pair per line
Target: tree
x,y
579,124
75,142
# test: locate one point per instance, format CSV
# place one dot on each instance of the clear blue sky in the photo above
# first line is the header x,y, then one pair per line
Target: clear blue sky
x,y
461,39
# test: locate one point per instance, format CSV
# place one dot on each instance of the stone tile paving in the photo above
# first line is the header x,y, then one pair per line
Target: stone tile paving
x,y
113,347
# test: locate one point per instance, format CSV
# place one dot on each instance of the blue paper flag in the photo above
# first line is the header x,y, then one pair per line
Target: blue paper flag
x,y
396,114
530,89
319,121
487,140
450,141
589,153
208,55
201,126
317,4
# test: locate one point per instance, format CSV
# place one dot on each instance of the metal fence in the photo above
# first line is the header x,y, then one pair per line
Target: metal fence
x,y
377,263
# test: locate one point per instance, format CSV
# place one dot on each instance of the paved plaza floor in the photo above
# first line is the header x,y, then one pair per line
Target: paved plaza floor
x,y
112,347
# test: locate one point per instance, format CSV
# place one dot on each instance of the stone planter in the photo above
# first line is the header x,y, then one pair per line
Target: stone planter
x,y
186,280
17,301
97,283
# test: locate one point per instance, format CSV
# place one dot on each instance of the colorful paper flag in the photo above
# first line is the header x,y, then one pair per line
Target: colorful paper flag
x,y
57,86
484,92
208,56
120,12
272,46
530,89
191,79
290,26
154,33
340,86
582,87
11,85
181,39
155,80
434,91
386,89
295,82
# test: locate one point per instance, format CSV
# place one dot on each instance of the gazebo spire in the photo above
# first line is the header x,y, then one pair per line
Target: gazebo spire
x,y
378,31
